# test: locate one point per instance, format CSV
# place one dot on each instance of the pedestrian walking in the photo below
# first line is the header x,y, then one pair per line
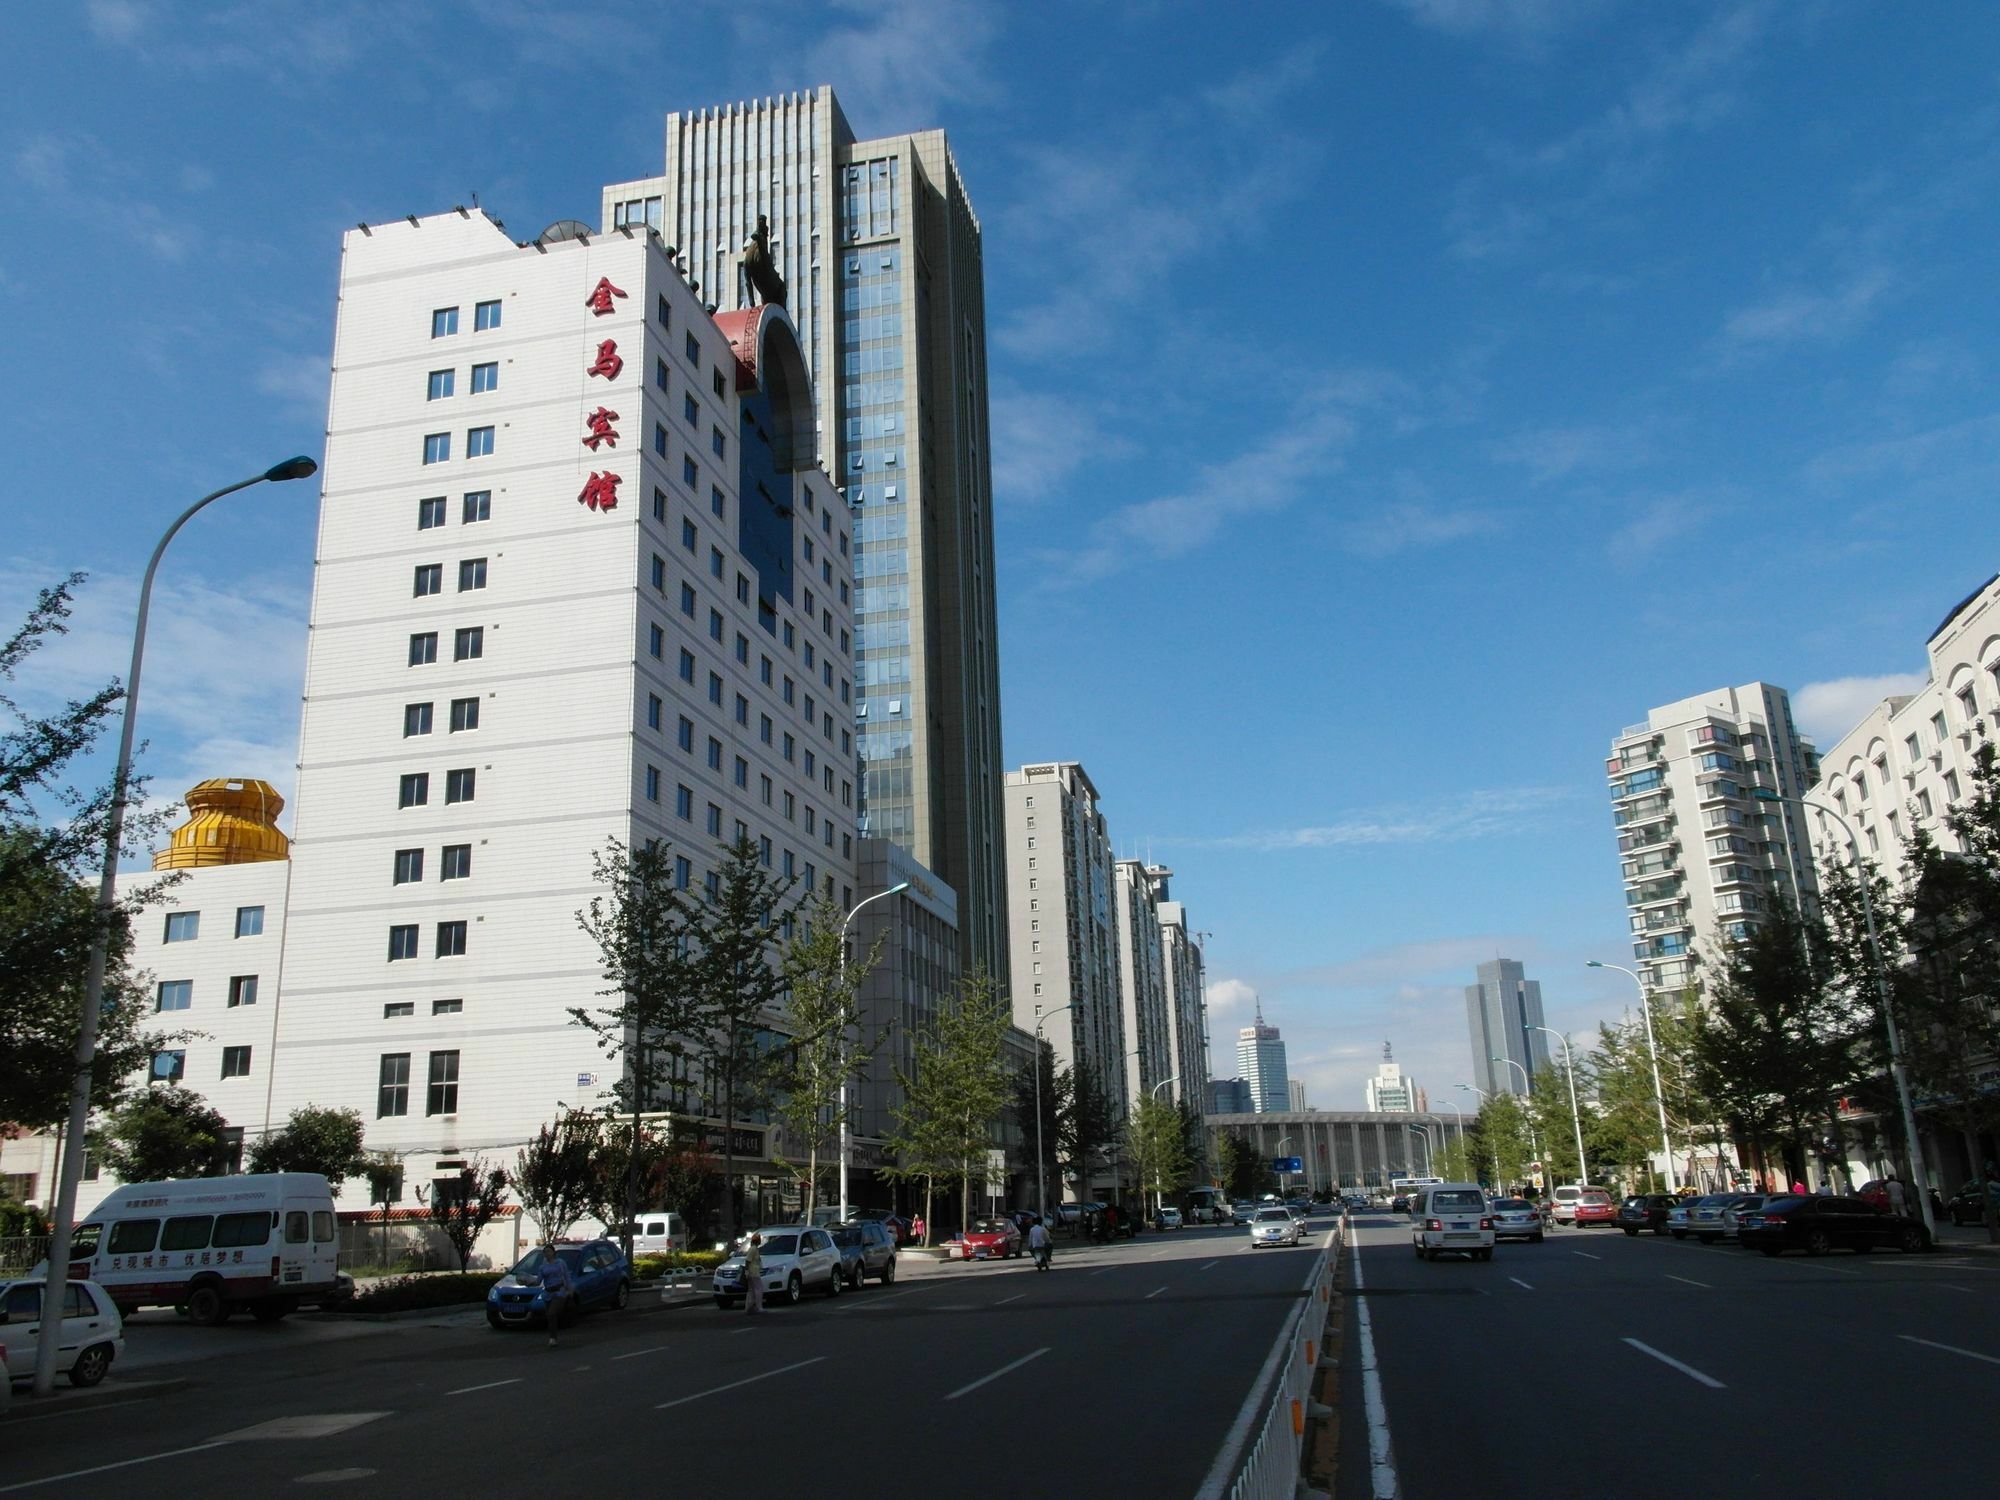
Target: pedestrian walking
x,y
753,1274
1038,1244
918,1229
1799,1188
557,1285
1899,1198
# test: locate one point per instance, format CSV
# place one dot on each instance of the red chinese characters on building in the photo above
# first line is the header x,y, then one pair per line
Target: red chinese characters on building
x,y
608,363
599,300
600,492
601,430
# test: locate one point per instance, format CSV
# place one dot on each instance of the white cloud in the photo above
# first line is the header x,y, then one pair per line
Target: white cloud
x,y
1402,527
1828,710
898,63
118,21
1522,22
1227,996
1662,522
1556,452
1039,440
1475,814
1805,316
300,379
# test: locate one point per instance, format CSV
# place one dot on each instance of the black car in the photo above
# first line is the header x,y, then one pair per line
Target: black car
x,y
1963,1207
1645,1211
1400,1204
1826,1222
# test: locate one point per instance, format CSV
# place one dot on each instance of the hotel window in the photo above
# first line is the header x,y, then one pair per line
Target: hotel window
x,y
409,867
684,802
430,513
441,1098
656,641
478,507
429,579
414,790
437,447
451,939
693,350
471,574
653,707
392,1089
447,1007
485,315
440,385
402,942
174,994
249,921
485,378
478,442
684,734
235,1062
660,373
456,862
687,665
459,784
468,643
416,719
652,783
464,714
444,321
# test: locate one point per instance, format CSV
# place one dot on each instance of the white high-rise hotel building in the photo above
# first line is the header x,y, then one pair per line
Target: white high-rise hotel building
x,y
579,578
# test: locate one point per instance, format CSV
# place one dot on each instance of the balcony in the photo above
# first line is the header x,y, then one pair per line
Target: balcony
x,y
1647,837
1718,789
1653,892
1637,785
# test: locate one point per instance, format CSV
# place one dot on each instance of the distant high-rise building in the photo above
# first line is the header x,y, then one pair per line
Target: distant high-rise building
x,y
1228,1096
1391,1090
1182,973
1503,1011
1143,1020
884,276
1295,1096
1260,1058
1702,855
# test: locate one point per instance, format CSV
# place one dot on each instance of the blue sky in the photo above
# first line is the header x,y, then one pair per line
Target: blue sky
x,y
1391,400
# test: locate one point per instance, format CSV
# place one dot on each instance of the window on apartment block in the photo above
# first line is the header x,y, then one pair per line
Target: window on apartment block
x,y
715,688
416,719
660,438
690,410
660,373
687,665
656,641
428,580
653,710
183,926
718,443
392,1086
173,994
693,350
652,783
423,648
468,643
663,312
684,802
690,474
437,447
451,939
235,1062
721,388
714,824
169,1067
396,1009
444,321
683,872
464,714
430,512
687,600
478,442
485,316
715,626
485,378
688,534
478,506
448,1007
249,921
455,862
471,574
409,867
659,572
441,1098
459,784
440,385
414,790
684,734
242,990
714,753
402,942
740,772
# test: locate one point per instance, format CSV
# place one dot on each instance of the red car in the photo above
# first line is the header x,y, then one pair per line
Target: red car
x,y
992,1239
1595,1208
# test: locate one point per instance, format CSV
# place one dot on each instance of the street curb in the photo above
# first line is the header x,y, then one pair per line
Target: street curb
x,y
668,1297
67,1396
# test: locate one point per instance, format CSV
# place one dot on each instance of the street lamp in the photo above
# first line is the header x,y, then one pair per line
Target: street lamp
x,y
1575,1115
1159,1194
1424,1135
70,1172
1041,1185
1284,1185
846,1005
1898,1068
1652,1052
1528,1091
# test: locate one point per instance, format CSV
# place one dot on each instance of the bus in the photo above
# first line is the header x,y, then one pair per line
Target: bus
x,y
1206,1205
1413,1184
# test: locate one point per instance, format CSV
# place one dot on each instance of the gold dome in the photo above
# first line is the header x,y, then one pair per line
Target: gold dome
x,y
231,822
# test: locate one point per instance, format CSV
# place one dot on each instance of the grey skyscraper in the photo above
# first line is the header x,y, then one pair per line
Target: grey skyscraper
x,y
881,255
1260,1058
1503,1010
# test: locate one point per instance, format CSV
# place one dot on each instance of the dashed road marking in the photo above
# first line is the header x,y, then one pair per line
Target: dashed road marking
x,y
746,1380
1688,1370
1006,1369
1910,1338
1689,1281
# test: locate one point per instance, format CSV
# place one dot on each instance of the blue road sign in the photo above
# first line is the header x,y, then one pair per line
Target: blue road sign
x,y
1287,1164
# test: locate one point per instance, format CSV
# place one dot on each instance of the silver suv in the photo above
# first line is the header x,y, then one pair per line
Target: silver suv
x,y
866,1249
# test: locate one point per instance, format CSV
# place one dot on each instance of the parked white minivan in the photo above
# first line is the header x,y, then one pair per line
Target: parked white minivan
x,y
1452,1216
656,1232
265,1241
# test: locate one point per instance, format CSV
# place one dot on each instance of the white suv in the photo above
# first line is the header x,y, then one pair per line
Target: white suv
x,y
1452,1217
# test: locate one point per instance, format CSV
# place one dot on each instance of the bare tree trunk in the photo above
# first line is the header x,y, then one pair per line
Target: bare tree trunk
x,y
729,1149
929,1183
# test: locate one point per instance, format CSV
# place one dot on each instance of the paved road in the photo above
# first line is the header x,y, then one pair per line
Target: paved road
x,y
1125,1365
1598,1363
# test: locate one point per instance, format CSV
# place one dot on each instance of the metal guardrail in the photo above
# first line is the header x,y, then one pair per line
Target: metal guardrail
x,y
21,1253
1263,1455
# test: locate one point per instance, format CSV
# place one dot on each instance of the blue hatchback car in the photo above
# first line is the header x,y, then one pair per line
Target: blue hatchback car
x,y
599,1277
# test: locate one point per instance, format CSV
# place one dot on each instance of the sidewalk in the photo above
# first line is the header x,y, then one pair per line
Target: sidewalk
x,y
1971,1238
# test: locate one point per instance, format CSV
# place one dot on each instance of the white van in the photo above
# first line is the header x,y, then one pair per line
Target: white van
x,y
656,1232
209,1245
1452,1216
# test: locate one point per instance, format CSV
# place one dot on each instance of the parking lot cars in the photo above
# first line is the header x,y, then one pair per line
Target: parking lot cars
x,y
599,1277
93,1335
1737,1207
1593,1207
797,1257
1705,1216
1274,1226
1562,1202
1452,1218
1965,1206
1826,1222
1677,1216
1646,1211
1242,1213
1170,1218
867,1248
1515,1219
992,1239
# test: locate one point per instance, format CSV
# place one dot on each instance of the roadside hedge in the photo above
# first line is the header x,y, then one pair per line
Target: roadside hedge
x,y
408,1293
655,1266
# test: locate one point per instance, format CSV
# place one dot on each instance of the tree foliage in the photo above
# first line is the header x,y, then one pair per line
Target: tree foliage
x,y
954,1094
825,1048
1051,1089
556,1173
315,1139
164,1132
1237,1163
1158,1139
461,1206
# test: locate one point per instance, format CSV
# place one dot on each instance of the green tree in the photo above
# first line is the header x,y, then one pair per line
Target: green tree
x,y
462,1205
1089,1125
168,1131
674,1170
1501,1133
1624,1129
825,1051
1158,1135
315,1139
1548,1110
555,1174
955,1093
1052,1090
384,1171
1238,1165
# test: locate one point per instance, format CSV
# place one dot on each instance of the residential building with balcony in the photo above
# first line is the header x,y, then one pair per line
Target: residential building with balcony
x,y
1183,969
1703,856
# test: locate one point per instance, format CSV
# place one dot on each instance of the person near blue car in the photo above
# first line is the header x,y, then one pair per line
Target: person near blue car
x,y
557,1282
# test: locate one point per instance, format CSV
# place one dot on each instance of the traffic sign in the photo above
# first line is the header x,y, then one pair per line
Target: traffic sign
x,y
1287,1164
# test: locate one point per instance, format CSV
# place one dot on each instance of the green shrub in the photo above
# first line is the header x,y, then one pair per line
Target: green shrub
x,y
406,1293
654,1266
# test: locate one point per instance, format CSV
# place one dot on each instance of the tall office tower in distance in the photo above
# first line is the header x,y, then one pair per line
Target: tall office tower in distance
x,y
1142,985
882,261
1392,1091
1503,1009
1703,855
1183,972
1260,1058
1295,1096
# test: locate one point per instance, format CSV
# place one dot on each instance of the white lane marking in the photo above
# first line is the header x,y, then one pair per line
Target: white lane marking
x,y
741,1331
29,1484
1689,1281
1688,1370
1952,1286
1381,1456
1586,1255
71,1411
1158,1253
1910,1338
1152,1294
308,1425
875,1301
746,1380
636,1353
1102,1269
1015,1298
1520,1283
466,1390
1007,1369
1210,1266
